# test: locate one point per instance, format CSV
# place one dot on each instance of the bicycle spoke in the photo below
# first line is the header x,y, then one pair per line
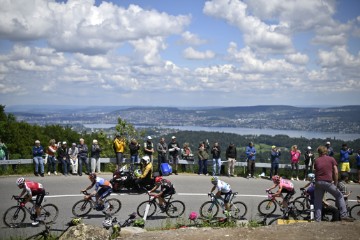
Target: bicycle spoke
x,y
14,216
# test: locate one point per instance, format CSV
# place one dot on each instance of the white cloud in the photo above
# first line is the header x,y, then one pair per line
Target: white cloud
x,y
297,58
6,89
191,53
93,62
339,57
148,49
192,39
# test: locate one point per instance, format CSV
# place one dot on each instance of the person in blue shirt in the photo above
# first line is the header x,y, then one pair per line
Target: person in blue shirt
x,y
250,155
345,153
275,159
38,152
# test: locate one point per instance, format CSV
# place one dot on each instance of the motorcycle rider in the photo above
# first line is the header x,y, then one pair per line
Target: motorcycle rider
x,y
144,177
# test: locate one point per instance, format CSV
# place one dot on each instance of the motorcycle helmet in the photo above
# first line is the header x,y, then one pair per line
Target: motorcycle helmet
x,y
137,173
145,159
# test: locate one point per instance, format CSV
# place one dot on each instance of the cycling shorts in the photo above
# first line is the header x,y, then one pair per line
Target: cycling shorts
x,y
288,194
227,196
345,167
168,192
39,197
104,192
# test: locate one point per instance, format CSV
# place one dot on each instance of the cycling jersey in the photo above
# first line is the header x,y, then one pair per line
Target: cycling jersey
x,y
102,183
33,188
166,187
223,186
286,184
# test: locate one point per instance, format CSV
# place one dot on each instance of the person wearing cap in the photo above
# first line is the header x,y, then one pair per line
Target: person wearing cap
x,y
174,151
230,156
95,156
51,151
330,149
119,148
73,155
275,160
63,157
309,161
149,148
38,152
162,149
83,157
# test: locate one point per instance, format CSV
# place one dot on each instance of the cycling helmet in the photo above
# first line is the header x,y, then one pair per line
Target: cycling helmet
x,y
92,176
146,159
20,181
214,180
158,179
311,176
75,221
137,173
276,179
107,223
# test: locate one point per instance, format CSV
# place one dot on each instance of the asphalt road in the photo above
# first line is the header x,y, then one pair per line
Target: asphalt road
x,y
191,189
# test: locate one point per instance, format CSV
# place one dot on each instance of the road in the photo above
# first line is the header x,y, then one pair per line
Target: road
x,y
191,189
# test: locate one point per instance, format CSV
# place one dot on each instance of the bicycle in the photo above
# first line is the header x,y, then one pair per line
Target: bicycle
x,y
173,209
269,206
45,234
210,209
291,215
83,207
353,211
15,215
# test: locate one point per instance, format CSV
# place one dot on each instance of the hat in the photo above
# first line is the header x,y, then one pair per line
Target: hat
x,y
149,137
309,147
273,146
327,143
95,141
173,137
64,143
74,144
37,141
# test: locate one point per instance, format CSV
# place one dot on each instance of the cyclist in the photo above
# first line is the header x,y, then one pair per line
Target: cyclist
x,y
285,186
103,188
32,189
223,189
144,176
166,189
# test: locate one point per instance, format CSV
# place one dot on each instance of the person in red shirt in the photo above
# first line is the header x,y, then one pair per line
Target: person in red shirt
x,y
32,189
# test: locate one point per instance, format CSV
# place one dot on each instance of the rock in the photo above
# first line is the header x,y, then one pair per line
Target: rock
x,y
129,231
85,232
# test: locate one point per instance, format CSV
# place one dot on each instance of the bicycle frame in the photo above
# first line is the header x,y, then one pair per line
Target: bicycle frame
x,y
219,201
28,210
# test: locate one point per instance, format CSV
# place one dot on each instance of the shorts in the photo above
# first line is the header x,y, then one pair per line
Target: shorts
x,y
104,192
345,167
288,194
168,192
227,196
39,197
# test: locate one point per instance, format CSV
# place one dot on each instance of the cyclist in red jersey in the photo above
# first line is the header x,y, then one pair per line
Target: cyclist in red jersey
x,y
285,186
32,189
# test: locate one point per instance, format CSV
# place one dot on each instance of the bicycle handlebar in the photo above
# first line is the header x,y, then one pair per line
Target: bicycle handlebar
x,y
85,192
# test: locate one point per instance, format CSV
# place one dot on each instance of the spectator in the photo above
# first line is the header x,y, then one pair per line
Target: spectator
x,y
216,151
345,153
174,151
73,155
326,179
83,157
51,151
329,149
231,155
309,162
250,155
295,158
119,148
3,154
134,147
187,155
63,156
161,148
149,149
38,152
344,177
203,156
358,164
95,157
275,160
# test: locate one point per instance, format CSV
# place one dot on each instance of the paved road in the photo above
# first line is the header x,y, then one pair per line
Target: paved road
x,y
191,189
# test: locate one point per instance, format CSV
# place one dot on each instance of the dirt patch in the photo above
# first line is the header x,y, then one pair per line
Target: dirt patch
x,y
323,230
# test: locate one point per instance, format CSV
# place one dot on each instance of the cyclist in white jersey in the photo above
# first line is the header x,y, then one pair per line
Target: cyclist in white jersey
x,y
223,189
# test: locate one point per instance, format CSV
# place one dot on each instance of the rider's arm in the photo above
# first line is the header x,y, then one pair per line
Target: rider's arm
x,y
278,193
218,194
306,185
213,188
89,187
274,186
154,188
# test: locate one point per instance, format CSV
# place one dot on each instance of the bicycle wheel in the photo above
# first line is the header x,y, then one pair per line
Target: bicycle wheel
x,y
266,207
112,206
142,208
209,209
355,211
175,208
49,212
14,216
82,208
304,201
238,210
299,207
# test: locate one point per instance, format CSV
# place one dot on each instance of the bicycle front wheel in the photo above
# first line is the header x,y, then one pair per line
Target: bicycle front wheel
x,y
112,206
175,209
142,208
14,216
266,207
82,208
238,210
209,209
355,211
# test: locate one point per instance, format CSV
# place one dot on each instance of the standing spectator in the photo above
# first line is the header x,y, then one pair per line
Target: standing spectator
x,y
345,153
51,151
162,150
216,151
231,155
295,158
358,164
174,151
134,147
38,152
149,148
63,156
95,157
3,153
309,161
73,155
326,179
203,156
83,157
250,155
119,148
275,160
186,154
329,149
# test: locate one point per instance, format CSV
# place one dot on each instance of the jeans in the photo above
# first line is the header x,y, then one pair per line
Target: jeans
x,y
203,166
320,188
83,159
251,167
51,164
65,166
134,159
39,161
274,169
95,165
216,164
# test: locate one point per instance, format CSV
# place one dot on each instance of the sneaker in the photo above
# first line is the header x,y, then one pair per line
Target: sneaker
x,y
207,174
49,173
42,175
297,179
55,173
292,179
347,219
35,223
36,174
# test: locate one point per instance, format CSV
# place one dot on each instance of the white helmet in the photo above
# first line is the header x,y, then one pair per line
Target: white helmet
x,y
107,223
146,159
20,181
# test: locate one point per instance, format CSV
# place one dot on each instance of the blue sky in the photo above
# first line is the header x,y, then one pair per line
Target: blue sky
x,y
180,53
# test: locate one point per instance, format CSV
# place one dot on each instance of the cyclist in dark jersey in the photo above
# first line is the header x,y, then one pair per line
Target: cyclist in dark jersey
x,y
166,189
103,188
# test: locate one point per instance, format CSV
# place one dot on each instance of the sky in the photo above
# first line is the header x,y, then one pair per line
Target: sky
x,y
180,53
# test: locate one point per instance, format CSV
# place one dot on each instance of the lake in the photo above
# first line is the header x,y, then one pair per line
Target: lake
x,y
248,131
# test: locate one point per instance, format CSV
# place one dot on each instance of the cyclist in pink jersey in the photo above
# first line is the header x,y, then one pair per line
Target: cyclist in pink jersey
x,y
285,186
